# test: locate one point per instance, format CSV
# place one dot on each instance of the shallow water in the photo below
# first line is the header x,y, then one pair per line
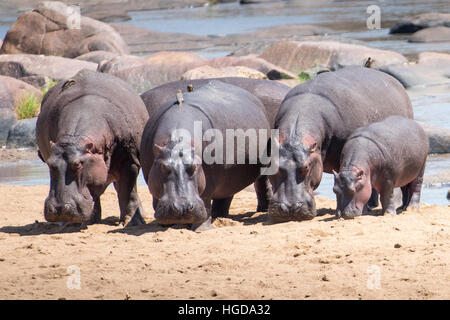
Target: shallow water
x,y
29,173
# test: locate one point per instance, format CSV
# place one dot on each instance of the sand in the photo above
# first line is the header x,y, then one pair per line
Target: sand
x,y
243,257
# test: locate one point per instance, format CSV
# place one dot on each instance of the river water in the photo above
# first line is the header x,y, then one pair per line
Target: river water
x,y
345,18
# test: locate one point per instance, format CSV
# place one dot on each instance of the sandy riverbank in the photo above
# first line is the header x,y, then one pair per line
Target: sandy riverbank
x,y
243,257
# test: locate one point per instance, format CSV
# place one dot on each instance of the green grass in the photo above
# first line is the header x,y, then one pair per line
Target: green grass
x,y
304,76
48,86
28,107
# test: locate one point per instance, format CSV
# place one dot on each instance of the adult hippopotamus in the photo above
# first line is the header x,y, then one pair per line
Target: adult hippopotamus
x,y
89,133
181,180
383,156
270,93
314,121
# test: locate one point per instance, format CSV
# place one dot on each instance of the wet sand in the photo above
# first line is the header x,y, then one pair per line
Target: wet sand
x,y
242,257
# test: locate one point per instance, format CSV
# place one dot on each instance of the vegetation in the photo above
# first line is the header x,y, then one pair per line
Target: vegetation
x,y
48,86
29,105
304,76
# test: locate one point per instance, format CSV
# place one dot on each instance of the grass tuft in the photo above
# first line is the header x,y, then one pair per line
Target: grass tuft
x,y
28,107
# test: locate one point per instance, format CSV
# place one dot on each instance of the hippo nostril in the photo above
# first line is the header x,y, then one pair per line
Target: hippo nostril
x,y
190,206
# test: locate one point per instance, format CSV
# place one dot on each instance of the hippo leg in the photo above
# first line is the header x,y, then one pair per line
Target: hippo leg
x,y
220,207
373,201
411,193
155,203
131,211
264,193
97,216
206,225
388,200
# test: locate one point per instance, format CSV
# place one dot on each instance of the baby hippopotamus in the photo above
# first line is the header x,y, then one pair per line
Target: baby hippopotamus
x,y
384,155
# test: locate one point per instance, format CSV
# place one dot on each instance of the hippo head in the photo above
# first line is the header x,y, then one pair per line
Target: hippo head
x,y
299,173
353,190
78,175
177,180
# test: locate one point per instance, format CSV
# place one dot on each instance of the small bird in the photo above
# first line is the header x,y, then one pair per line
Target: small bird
x,y
180,98
68,84
368,63
190,88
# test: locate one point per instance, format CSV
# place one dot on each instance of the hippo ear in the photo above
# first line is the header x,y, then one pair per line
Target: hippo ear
x,y
157,150
359,175
313,147
89,147
40,155
336,175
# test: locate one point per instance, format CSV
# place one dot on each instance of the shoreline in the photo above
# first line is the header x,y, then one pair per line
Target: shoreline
x,y
242,257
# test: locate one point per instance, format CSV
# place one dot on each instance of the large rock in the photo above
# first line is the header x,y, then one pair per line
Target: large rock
x,y
57,68
52,29
431,69
159,68
7,120
22,134
97,56
141,40
303,56
272,71
206,72
435,34
439,138
13,90
144,77
436,59
120,63
422,21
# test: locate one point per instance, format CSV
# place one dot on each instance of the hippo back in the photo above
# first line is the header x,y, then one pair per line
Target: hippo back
x,y
123,110
270,93
359,95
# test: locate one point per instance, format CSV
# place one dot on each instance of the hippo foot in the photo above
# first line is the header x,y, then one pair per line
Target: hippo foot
x,y
389,212
135,220
64,225
262,207
203,226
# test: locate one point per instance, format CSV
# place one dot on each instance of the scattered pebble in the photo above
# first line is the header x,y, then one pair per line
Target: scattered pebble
x,y
325,278
397,245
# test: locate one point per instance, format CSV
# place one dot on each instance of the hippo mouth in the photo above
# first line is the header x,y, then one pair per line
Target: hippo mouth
x,y
280,212
168,213
69,212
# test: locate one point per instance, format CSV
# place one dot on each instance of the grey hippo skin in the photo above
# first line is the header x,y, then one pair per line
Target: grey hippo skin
x,y
383,156
315,119
183,185
89,133
270,93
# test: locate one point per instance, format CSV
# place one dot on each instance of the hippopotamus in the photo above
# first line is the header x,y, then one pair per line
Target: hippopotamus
x,y
314,121
88,133
383,156
182,182
270,93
